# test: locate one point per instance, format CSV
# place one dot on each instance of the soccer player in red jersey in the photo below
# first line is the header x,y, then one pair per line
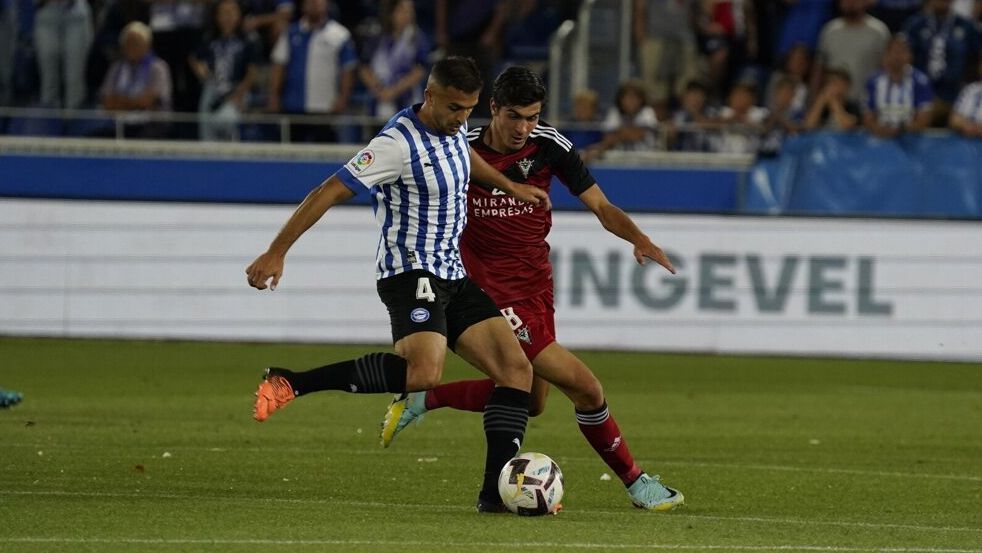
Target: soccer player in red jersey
x,y
505,251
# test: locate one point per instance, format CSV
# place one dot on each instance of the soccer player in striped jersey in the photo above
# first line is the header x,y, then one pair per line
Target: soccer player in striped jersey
x,y
506,253
417,171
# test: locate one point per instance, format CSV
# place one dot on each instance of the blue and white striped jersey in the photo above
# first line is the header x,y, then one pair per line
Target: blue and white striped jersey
x,y
897,103
418,182
969,103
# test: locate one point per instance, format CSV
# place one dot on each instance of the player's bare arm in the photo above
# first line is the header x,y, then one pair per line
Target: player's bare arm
x,y
269,265
615,221
481,171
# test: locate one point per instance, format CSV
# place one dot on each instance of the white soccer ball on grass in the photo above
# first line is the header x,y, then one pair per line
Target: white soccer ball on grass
x,y
531,484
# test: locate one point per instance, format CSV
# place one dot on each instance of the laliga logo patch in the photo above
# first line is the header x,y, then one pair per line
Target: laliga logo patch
x,y
419,315
363,160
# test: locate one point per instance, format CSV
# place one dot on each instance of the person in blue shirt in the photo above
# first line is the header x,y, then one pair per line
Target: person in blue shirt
x,y
945,46
417,170
313,71
898,97
395,63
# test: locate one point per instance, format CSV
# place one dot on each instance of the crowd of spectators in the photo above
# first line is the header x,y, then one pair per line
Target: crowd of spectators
x,y
731,76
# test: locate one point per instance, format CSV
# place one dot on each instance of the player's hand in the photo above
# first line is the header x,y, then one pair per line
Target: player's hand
x,y
532,194
267,266
650,251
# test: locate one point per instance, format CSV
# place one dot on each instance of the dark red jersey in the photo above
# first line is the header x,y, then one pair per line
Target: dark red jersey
x,y
504,244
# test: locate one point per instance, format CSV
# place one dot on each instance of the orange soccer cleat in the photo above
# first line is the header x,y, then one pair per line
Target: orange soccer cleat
x,y
274,392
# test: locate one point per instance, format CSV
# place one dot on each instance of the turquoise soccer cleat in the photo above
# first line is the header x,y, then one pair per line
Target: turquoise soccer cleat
x,y
404,409
9,398
649,493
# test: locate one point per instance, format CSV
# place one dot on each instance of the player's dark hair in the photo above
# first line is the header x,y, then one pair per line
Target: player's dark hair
x,y
459,72
518,86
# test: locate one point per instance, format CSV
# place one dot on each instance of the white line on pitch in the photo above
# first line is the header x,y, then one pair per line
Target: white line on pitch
x,y
486,545
374,504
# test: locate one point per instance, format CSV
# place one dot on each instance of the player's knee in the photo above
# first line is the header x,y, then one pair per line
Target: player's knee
x,y
516,374
589,395
536,408
422,375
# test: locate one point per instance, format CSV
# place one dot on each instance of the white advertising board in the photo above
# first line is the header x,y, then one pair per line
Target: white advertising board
x,y
878,288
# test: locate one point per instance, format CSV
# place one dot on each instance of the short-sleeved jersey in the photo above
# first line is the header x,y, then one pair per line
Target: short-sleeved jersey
x,y
969,104
314,59
896,103
418,181
504,245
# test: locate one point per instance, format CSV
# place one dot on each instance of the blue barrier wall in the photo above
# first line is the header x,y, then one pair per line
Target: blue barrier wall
x,y
169,179
855,174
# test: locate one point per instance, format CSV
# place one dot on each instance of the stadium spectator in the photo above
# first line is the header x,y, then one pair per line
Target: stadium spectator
x,y
743,121
728,37
586,117
832,108
945,46
140,81
506,254
109,23
409,167
855,41
473,28
62,38
966,117
796,67
690,130
784,117
668,57
226,65
630,124
8,43
783,108
178,26
394,63
898,98
267,18
313,71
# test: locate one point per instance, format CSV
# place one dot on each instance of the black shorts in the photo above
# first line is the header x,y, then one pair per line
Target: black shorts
x,y
421,301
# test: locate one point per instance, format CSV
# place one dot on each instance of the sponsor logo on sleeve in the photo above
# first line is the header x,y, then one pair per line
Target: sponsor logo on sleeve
x,y
363,160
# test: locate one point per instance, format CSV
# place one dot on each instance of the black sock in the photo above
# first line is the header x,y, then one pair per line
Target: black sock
x,y
505,418
372,374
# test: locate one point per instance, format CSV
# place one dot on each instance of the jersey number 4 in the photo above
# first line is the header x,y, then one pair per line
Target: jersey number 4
x,y
424,290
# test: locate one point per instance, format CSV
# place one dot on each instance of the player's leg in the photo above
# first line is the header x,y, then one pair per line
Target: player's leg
x,y
473,395
482,337
491,347
571,375
420,343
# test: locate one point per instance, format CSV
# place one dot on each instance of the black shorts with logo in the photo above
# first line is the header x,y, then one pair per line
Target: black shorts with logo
x,y
420,301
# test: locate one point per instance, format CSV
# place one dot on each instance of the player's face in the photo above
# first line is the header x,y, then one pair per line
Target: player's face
x,y
449,107
513,124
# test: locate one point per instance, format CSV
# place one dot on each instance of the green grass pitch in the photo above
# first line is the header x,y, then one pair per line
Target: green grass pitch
x,y
150,446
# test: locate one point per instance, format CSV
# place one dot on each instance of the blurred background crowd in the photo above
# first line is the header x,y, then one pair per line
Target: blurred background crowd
x,y
732,76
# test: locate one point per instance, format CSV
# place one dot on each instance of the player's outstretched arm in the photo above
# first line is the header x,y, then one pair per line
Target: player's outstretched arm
x,y
268,267
620,224
483,172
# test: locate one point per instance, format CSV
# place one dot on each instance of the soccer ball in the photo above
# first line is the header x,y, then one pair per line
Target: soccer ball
x,y
531,485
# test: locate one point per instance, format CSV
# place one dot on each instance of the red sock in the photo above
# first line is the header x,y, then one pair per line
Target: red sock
x,y
601,431
465,395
